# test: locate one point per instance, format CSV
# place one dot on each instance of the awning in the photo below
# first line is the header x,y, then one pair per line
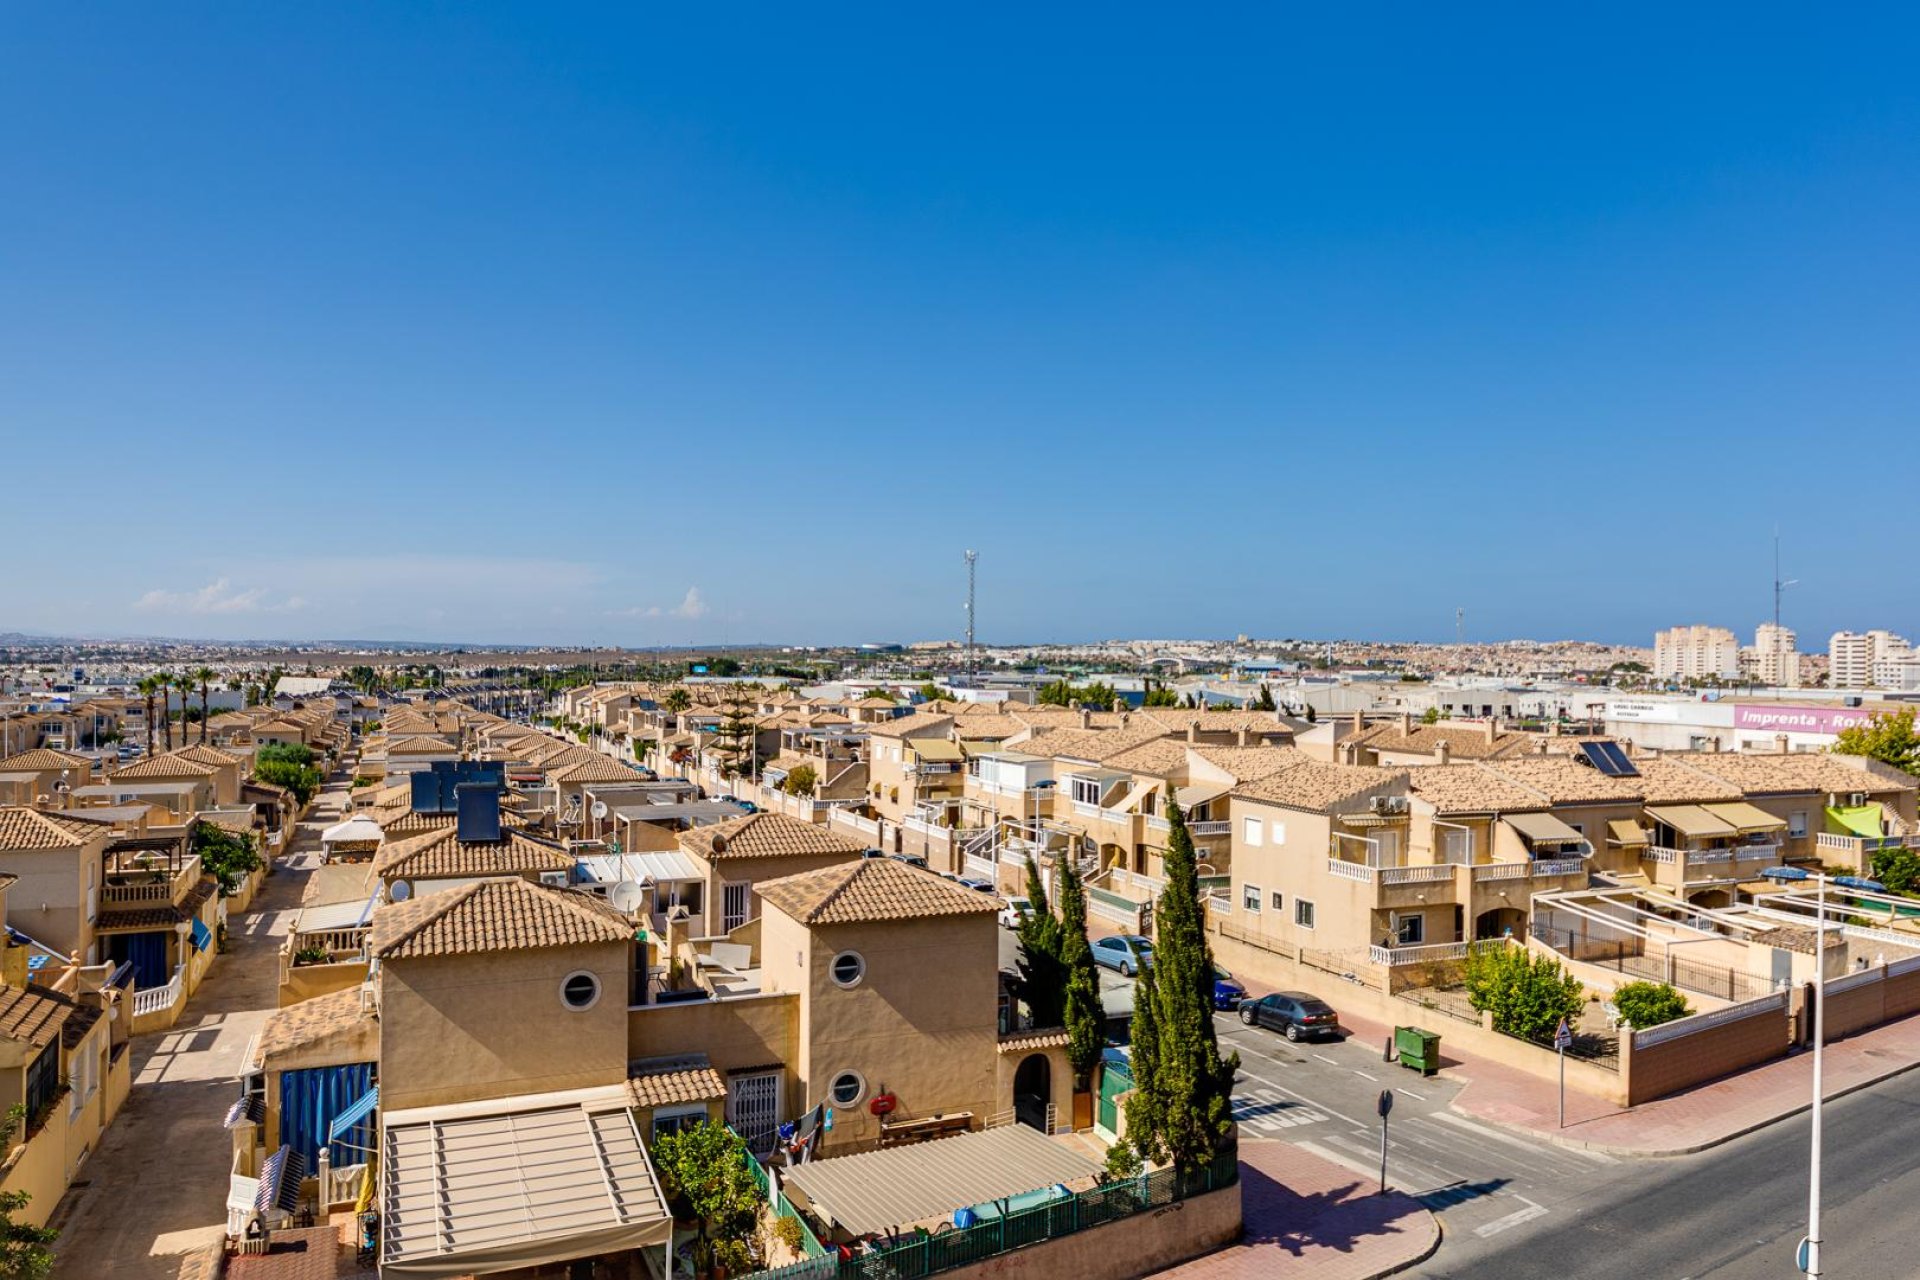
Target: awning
x,y
280,1181
936,749
657,867
200,935
1854,820
1542,828
880,1190
479,1188
1625,831
328,916
1690,820
360,828
358,1110
1743,817
1200,793
1132,800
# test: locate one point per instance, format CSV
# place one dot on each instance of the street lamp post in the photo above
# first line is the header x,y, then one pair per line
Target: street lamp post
x,y
1819,1052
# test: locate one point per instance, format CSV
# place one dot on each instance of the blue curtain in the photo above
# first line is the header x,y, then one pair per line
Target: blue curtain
x,y
309,1100
146,952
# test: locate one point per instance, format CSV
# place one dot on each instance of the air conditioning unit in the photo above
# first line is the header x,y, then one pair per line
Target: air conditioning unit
x,y
554,879
1388,805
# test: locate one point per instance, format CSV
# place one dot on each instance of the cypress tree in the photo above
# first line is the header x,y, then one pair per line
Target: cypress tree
x,y
1144,1111
1192,1085
1082,1014
1043,979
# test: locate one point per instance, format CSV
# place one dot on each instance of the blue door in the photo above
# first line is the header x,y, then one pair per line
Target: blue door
x,y
146,952
309,1100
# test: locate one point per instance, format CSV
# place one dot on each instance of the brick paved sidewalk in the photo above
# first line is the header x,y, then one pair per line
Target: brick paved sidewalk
x,y
1307,1216
1702,1117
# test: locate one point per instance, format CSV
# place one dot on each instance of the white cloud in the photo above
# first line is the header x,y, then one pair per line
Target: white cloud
x,y
218,597
692,605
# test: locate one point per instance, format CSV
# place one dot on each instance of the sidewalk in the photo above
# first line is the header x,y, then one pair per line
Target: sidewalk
x,y
1702,1117
1307,1216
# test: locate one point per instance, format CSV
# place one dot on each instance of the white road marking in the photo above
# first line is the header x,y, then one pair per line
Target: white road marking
x,y
1411,1094
1324,1058
1344,1161
1513,1140
1301,1097
1513,1219
1364,1076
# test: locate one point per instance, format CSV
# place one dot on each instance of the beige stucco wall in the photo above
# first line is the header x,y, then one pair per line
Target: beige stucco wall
x,y
754,871
48,903
1139,1245
456,1028
920,1025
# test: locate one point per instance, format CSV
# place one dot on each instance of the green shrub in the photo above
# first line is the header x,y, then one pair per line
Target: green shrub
x,y
1527,994
1648,1004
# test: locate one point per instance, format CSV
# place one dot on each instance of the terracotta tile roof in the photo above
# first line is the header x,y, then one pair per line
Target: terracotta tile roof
x,y
308,1021
766,835
438,852
213,757
1470,788
1669,780
1465,741
42,760
22,829
1564,780
871,889
598,769
492,915
1250,764
1177,719
1321,787
163,766
78,1023
418,745
33,1014
666,1085
1022,1041
919,724
1162,757
1769,773
1096,745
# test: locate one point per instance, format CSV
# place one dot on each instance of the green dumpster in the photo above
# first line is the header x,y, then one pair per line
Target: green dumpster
x,y
1417,1049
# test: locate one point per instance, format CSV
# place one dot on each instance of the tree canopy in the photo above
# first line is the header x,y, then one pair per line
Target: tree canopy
x,y
704,1169
1043,979
227,856
1064,693
1527,994
1889,737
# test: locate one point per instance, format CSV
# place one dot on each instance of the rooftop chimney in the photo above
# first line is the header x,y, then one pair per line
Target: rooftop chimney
x,y
1244,737
1119,703
1193,731
1086,718
1359,722
1406,724
1443,752
1492,730
1780,743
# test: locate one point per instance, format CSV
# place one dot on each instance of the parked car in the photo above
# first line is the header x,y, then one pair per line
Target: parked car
x,y
976,883
1294,1013
911,859
1127,952
1015,912
1227,992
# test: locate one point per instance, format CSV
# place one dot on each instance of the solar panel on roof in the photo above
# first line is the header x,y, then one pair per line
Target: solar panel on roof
x,y
1608,757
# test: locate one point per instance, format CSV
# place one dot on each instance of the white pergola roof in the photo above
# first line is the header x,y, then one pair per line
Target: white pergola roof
x,y
515,1182
355,828
657,867
335,915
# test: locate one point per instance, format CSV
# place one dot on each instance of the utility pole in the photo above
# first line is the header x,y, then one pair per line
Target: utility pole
x,y
973,665
1460,625
1811,1245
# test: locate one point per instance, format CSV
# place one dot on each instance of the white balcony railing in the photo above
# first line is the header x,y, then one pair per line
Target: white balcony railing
x,y
1349,870
1392,956
158,999
1415,875
1488,871
1209,828
1559,866
155,885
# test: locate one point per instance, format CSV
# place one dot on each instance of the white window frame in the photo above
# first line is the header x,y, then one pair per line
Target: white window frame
x,y
1798,818
1279,834
696,1111
1279,900
1085,791
1250,898
1419,923
1250,832
746,890
1303,913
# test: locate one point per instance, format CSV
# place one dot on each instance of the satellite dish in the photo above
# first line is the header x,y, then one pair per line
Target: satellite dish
x,y
719,843
627,897
400,891
599,809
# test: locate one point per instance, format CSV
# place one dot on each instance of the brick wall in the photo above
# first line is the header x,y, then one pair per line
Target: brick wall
x,y
1656,1070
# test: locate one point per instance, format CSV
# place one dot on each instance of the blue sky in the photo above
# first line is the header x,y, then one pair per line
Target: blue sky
x,y
541,322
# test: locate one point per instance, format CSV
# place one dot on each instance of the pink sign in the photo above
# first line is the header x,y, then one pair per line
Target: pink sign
x,y
1787,719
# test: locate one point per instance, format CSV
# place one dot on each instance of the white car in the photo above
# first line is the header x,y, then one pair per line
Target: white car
x,y
1015,913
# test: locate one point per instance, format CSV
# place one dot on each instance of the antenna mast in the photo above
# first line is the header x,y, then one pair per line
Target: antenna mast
x,y
1779,586
973,666
1460,625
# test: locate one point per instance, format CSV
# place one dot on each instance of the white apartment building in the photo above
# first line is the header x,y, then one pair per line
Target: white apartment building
x,y
1776,662
1696,653
1853,656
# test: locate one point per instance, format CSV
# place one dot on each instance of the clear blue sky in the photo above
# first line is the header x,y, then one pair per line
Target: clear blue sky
x,y
543,322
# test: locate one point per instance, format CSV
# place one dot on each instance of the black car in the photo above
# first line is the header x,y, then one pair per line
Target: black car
x,y
1295,1013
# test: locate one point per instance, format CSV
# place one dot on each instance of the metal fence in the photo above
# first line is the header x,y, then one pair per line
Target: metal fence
x,y
931,1252
1628,956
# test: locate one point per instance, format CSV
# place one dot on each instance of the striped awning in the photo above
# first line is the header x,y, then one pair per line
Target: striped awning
x,y
1542,828
280,1181
1744,817
359,1109
1690,820
201,936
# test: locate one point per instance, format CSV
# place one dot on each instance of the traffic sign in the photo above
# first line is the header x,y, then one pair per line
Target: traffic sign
x,y
1563,1036
1386,1102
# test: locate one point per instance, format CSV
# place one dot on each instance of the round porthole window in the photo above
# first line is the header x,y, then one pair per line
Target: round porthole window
x,y
580,991
848,968
847,1089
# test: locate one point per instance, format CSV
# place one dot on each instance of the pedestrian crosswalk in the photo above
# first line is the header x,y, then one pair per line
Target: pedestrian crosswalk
x,y
1266,1111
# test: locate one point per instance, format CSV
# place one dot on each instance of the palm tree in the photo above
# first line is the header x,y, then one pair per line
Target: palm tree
x,y
148,686
184,683
163,681
206,677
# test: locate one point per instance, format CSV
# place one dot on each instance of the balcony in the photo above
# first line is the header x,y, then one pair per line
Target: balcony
x,y
1396,957
1679,867
1199,830
157,882
1398,886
